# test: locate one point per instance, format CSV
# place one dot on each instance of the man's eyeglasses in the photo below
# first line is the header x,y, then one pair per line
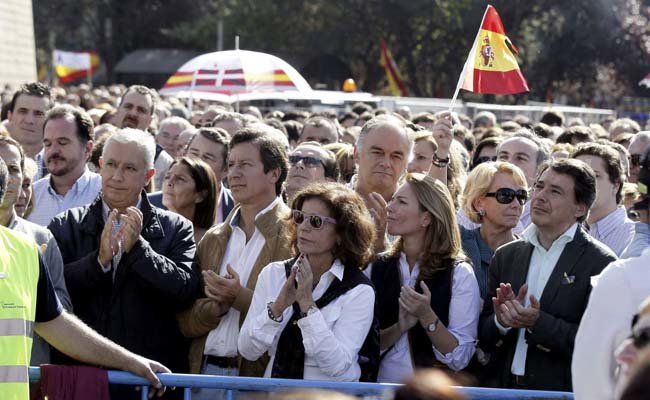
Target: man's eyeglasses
x,y
483,159
315,221
507,195
635,160
310,162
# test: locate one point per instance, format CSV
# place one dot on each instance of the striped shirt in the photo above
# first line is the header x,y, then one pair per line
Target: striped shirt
x,y
614,230
48,203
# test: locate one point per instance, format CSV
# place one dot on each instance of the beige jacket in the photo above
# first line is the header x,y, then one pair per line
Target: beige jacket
x,y
202,317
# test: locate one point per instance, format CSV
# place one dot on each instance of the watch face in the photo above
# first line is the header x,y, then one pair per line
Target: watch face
x,y
432,327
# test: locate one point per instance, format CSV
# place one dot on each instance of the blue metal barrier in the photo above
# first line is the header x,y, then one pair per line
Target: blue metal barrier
x,y
230,384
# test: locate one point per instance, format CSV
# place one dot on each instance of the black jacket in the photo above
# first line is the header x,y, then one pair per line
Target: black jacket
x,y
154,281
563,301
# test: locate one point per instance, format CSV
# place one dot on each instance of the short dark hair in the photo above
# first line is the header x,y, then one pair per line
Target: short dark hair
x,y
294,129
143,90
272,152
217,135
553,118
580,133
35,89
4,173
611,159
584,179
83,121
493,141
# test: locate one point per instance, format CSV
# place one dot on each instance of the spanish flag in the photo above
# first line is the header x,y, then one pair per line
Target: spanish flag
x,y
70,66
491,67
397,86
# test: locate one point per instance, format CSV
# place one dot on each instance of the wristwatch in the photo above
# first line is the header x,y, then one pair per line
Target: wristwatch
x,y
309,312
432,326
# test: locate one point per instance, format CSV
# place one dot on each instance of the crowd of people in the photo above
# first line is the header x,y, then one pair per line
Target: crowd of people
x,y
355,246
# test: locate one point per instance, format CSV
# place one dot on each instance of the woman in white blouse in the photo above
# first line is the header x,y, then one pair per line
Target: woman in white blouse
x,y
313,313
426,291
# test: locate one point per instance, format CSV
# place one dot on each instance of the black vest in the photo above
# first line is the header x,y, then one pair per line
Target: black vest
x,y
289,359
387,281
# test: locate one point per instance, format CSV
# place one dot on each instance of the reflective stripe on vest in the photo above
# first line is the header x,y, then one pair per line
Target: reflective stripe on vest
x,y
16,327
19,272
14,373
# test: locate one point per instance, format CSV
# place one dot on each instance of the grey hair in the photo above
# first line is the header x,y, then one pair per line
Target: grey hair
x,y
4,174
179,122
381,121
543,150
143,140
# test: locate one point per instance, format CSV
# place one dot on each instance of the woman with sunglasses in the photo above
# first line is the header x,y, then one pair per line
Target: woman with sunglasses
x,y
312,313
426,291
494,196
486,151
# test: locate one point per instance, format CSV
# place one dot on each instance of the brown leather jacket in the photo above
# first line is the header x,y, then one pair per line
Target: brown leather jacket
x,y
202,317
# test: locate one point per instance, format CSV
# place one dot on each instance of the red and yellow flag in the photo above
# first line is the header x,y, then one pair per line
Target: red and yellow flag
x,y
70,66
397,86
491,67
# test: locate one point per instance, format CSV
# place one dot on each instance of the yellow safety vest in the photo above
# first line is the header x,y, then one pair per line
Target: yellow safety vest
x,y
19,272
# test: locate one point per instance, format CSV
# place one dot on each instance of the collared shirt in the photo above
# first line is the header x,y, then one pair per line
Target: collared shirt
x,y
614,230
524,221
542,264
48,203
640,242
332,336
241,255
464,310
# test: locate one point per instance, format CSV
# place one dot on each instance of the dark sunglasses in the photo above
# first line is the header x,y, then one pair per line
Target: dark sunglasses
x,y
506,195
640,336
315,221
308,161
635,160
483,159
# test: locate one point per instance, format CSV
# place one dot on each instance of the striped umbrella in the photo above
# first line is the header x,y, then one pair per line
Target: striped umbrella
x,y
223,75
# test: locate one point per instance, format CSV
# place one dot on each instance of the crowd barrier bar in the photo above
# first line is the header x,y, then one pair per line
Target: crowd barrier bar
x,y
186,382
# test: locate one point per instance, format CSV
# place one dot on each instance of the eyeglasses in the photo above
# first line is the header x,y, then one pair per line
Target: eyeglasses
x,y
310,162
635,160
506,195
483,159
315,221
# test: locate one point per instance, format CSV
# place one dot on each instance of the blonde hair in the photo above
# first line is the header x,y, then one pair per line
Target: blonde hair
x,y
442,239
479,181
425,136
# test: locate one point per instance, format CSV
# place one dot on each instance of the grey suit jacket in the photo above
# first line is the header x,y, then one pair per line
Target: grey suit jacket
x,y
563,301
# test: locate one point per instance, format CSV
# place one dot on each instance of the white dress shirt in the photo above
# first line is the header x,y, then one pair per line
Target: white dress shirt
x,y
524,220
48,203
542,264
464,308
617,294
615,230
332,336
241,255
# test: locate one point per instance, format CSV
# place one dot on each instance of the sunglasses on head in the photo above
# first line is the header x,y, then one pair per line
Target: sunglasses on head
x,y
635,160
315,221
308,161
506,195
484,159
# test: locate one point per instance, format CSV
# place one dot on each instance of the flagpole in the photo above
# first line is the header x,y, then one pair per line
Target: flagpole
x,y
469,58
191,102
90,70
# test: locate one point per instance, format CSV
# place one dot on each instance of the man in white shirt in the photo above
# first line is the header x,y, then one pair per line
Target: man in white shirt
x,y
67,143
540,284
233,254
607,220
616,296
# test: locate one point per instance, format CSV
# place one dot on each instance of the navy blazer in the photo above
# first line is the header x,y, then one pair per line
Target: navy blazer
x,y
563,301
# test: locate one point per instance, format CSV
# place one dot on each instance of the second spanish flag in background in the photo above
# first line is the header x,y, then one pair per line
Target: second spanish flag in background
x,y
491,67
